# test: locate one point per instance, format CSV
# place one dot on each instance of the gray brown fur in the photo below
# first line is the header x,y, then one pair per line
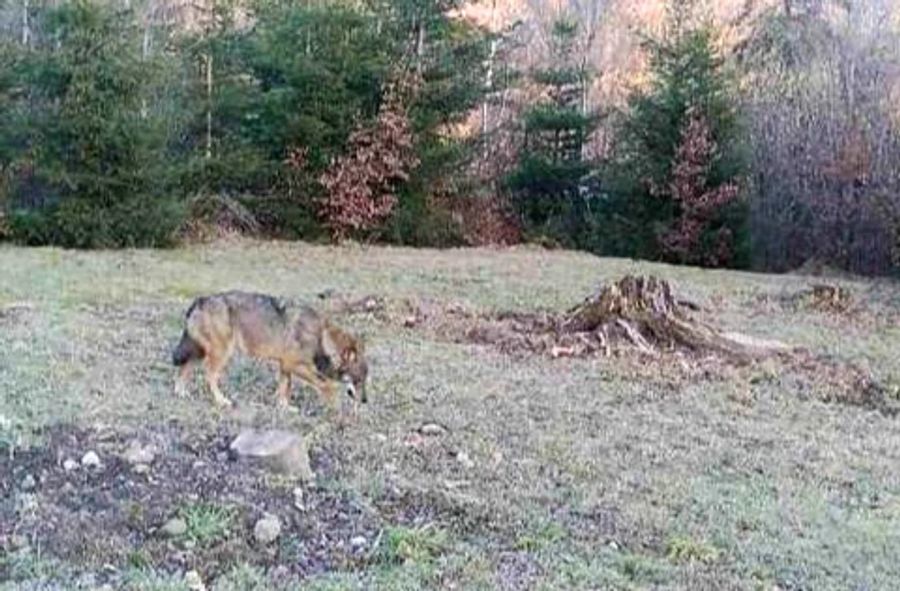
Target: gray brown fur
x,y
303,343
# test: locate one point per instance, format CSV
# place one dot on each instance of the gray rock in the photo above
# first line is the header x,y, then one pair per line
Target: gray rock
x,y
193,581
174,527
358,541
464,459
299,505
90,460
267,529
281,451
28,483
137,453
69,465
141,468
432,429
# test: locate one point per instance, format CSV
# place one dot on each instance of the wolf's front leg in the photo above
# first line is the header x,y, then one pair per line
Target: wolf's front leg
x,y
181,380
283,392
214,367
324,387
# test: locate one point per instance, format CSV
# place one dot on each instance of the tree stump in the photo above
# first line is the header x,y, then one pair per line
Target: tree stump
x,y
644,312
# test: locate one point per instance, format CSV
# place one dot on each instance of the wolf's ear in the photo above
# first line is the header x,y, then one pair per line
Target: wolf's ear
x,y
349,355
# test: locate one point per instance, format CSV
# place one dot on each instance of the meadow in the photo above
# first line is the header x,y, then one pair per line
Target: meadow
x,y
470,468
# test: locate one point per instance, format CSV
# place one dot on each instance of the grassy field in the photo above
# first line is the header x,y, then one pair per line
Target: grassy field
x,y
607,473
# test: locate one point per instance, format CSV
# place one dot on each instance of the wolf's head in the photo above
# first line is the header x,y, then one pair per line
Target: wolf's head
x,y
347,356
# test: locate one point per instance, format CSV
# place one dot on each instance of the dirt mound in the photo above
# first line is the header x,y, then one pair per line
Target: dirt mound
x,y
838,381
637,313
826,298
113,515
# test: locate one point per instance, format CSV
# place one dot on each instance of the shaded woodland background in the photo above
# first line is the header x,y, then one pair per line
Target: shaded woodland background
x,y
750,134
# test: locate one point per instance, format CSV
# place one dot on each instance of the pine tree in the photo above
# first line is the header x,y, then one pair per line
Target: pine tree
x,y
674,178
548,182
92,163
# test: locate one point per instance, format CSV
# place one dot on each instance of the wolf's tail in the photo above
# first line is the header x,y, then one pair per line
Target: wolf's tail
x,y
187,350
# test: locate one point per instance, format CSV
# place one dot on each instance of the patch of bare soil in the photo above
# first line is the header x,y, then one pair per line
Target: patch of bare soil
x,y
15,312
636,319
635,313
827,298
112,514
102,519
833,380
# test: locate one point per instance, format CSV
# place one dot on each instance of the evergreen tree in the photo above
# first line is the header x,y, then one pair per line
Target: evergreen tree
x,y
447,56
678,152
88,149
550,179
296,82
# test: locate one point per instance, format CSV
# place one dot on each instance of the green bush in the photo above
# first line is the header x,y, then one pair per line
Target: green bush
x,y
78,223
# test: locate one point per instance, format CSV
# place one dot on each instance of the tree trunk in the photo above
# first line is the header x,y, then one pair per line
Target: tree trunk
x,y
26,25
209,103
420,48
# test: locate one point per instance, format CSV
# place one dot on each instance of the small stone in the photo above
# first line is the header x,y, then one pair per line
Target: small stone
x,y
464,459
137,453
17,541
174,527
456,308
282,451
432,429
70,465
267,529
612,545
141,468
28,483
90,460
414,440
299,505
410,321
358,541
193,581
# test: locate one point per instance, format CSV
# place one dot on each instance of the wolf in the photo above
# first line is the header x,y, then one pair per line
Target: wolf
x,y
302,341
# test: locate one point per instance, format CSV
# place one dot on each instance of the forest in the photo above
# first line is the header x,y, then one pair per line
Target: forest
x,y
760,134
